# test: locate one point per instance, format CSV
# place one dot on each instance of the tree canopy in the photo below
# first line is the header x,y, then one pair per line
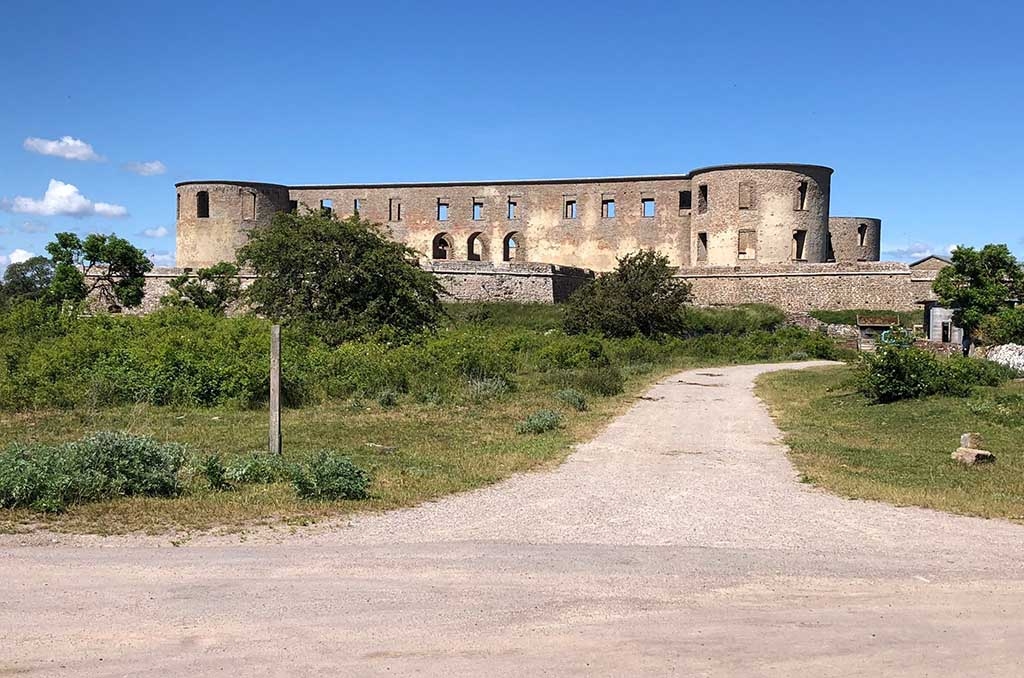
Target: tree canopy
x,y
639,297
26,280
211,289
106,264
339,279
979,284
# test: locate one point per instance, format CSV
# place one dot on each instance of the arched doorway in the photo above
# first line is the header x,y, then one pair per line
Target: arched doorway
x,y
442,246
513,247
476,247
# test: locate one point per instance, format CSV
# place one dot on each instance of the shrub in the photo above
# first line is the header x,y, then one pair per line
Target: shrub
x,y
387,399
572,398
1005,327
567,353
100,466
640,296
258,468
213,470
540,421
480,390
330,476
898,373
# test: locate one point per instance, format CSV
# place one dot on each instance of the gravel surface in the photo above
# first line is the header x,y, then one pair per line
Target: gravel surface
x,y
679,541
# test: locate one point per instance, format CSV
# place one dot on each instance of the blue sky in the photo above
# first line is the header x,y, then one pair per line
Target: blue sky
x,y
917,105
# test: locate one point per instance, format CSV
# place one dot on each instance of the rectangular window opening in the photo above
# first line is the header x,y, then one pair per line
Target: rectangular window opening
x,y
394,209
747,244
293,206
685,200
478,210
799,239
513,209
702,199
608,208
442,210
570,208
862,233
249,206
647,207
801,196
357,205
702,246
326,207
746,196
203,205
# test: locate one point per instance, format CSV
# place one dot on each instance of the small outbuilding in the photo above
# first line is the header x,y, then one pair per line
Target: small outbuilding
x,y
870,329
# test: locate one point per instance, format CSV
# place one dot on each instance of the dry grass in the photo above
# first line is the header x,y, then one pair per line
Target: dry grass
x,y
438,450
900,452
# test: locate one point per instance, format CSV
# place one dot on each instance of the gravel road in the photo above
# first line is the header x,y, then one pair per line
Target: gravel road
x,y
678,542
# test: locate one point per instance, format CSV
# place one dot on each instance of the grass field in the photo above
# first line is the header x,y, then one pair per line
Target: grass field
x,y
900,452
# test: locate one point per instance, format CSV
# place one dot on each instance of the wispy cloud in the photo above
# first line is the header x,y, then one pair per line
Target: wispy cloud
x,y
68,148
915,251
146,169
162,258
63,199
158,232
33,227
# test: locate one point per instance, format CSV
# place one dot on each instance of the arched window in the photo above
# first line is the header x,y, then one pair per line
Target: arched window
x,y
442,246
202,204
476,248
862,234
512,247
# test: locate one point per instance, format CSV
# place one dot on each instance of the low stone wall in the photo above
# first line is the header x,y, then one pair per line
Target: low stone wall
x,y
807,287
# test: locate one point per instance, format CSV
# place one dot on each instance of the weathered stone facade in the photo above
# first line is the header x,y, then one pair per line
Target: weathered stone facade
x,y
716,216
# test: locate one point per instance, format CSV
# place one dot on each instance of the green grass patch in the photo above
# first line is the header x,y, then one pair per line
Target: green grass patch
x,y
849,317
900,452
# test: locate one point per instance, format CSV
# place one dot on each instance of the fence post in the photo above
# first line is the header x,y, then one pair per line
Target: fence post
x,y
275,389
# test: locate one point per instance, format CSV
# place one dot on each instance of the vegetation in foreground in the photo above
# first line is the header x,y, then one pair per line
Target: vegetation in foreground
x,y
439,414
900,452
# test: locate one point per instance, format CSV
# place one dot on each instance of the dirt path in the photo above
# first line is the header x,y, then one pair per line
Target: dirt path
x,y
677,542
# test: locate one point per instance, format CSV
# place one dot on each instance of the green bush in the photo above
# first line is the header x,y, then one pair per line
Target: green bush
x,y
213,470
330,476
566,353
481,390
899,373
540,421
572,398
597,381
100,466
1005,327
258,468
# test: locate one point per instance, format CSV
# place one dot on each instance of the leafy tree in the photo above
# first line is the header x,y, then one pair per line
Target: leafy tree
x,y
211,289
338,279
979,284
107,265
27,280
639,297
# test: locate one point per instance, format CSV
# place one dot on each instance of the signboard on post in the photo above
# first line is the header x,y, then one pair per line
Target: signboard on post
x,y
275,389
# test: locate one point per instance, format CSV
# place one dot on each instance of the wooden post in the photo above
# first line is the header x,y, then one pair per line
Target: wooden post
x,y
275,389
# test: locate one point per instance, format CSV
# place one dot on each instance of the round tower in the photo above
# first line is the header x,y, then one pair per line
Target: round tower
x,y
855,238
764,214
214,217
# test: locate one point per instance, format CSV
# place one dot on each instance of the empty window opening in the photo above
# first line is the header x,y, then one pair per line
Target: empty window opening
x,y
647,207
569,212
799,239
357,206
478,210
394,209
608,208
702,247
746,197
746,247
202,204
177,207
442,210
249,206
442,246
702,199
862,234
513,209
830,251
512,247
476,248
685,200
293,206
801,195
947,331
327,207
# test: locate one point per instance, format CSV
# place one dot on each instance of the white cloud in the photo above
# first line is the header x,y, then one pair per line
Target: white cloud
x,y
19,255
162,258
915,251
146,169
68,148
65,200
158,232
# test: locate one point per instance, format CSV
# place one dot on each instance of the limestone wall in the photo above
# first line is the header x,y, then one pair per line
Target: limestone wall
x,y
855,238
